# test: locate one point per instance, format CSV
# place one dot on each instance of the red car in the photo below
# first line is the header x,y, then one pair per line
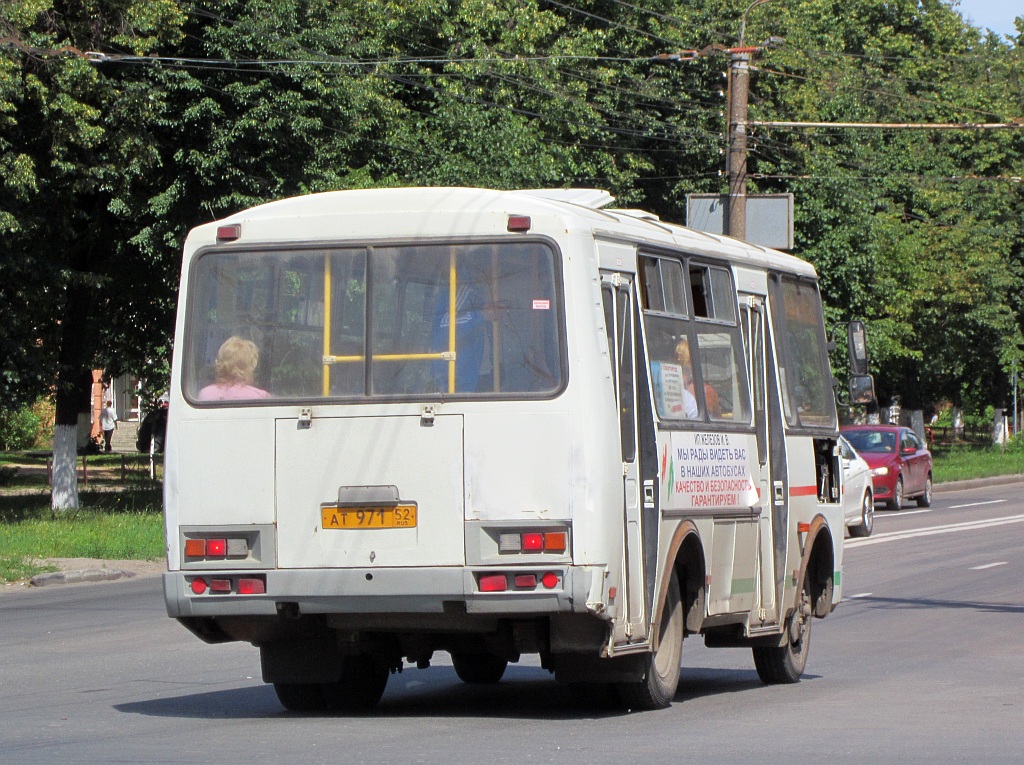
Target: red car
x,y
901,466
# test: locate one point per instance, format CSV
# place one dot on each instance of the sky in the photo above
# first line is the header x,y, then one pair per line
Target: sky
x,y
997,15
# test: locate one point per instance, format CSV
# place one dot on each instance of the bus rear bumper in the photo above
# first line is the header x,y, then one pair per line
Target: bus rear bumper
x,y
380,591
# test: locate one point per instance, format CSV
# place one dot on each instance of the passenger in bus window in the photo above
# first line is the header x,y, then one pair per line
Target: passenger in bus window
x,y
710,394
235,368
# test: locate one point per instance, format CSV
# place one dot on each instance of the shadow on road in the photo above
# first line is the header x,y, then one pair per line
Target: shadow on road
x,y
904,603
525,693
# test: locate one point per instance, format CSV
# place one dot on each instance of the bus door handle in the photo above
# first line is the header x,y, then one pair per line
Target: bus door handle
x,y
780,493
648,493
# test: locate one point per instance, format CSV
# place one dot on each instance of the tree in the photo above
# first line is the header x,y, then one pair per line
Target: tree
x,y
78,151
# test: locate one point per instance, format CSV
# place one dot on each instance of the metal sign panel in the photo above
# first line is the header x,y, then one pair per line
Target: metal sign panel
x,y
769,217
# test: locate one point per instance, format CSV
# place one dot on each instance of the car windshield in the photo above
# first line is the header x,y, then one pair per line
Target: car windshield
x,y
877,441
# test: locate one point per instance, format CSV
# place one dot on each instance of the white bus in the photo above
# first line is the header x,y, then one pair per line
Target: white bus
x,y
627,435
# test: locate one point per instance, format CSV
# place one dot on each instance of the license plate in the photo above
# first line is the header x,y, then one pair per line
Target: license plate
x,y
369,517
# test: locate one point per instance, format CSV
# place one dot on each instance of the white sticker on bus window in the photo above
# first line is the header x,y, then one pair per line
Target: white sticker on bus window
x,y
541,305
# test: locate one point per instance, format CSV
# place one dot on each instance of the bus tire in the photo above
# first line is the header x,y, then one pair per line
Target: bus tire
x,y
661,672
362,683
301,697
785,664
479,668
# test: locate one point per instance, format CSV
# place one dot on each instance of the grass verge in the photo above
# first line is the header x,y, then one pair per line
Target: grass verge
x,y
963,463
125,525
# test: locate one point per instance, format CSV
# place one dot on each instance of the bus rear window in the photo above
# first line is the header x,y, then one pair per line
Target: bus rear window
x,y
375,322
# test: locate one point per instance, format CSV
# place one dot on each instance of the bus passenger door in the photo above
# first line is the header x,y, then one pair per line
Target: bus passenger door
x,y
769,470
620,323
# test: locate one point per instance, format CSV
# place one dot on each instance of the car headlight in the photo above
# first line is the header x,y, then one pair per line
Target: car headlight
x,y
880,471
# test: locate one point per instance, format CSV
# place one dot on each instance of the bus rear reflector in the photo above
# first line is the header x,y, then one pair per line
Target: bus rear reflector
x,y
526,581
220,585
493,583
253,586
198,585
550,580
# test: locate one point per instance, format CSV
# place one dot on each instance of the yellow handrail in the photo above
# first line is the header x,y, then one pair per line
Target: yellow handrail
x,y
327,326
452,319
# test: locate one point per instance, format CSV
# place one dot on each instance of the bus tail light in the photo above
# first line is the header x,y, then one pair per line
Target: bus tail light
x,y
229,233
549,580
533,542
555,541
219,547
518,223
195,548
216,548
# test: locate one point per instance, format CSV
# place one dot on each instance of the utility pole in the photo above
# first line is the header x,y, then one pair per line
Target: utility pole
x,y
736,159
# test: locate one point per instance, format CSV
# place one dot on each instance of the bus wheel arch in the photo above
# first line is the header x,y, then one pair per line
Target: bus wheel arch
x,y
818,568
687,556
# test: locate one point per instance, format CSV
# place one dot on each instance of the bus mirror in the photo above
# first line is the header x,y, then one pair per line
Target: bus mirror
x,y
862,389
857,347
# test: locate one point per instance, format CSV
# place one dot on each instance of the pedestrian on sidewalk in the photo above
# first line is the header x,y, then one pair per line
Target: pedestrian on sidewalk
x,y
108,422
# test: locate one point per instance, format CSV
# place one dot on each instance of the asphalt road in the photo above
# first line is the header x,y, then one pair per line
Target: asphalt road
x,y
922,663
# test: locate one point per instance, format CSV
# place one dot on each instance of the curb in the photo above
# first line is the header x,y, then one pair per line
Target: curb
x,y
74,577
977,483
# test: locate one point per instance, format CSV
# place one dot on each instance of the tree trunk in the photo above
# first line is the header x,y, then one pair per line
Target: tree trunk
x,y
64,491
74,385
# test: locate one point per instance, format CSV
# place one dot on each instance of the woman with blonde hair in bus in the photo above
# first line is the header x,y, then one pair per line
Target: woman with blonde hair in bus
x,y
710,394
235,368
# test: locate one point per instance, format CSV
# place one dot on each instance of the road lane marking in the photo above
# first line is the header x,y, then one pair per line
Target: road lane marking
x,y
858,595
988,565
893,536
903,513
977,504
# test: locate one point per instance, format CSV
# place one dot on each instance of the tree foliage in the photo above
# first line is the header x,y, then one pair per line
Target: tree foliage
x,y
197,109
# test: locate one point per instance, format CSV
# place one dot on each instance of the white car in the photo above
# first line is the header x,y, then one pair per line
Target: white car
x,y
858,497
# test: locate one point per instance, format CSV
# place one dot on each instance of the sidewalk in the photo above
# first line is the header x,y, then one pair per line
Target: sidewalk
x,y
977,483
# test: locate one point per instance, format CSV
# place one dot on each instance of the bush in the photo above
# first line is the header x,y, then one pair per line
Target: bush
x,y
19,428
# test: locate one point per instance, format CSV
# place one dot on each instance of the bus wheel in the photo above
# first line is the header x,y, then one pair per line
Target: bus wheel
x,y
785,664
479,668
361,685
301,697
661,673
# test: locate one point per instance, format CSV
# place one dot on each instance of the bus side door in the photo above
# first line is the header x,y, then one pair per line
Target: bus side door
x,y
770,468
639,531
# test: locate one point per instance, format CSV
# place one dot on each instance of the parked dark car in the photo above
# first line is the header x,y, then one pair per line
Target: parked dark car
x,y
901,465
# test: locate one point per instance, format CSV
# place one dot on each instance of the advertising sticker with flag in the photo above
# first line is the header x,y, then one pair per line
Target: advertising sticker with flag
x,y
704,471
